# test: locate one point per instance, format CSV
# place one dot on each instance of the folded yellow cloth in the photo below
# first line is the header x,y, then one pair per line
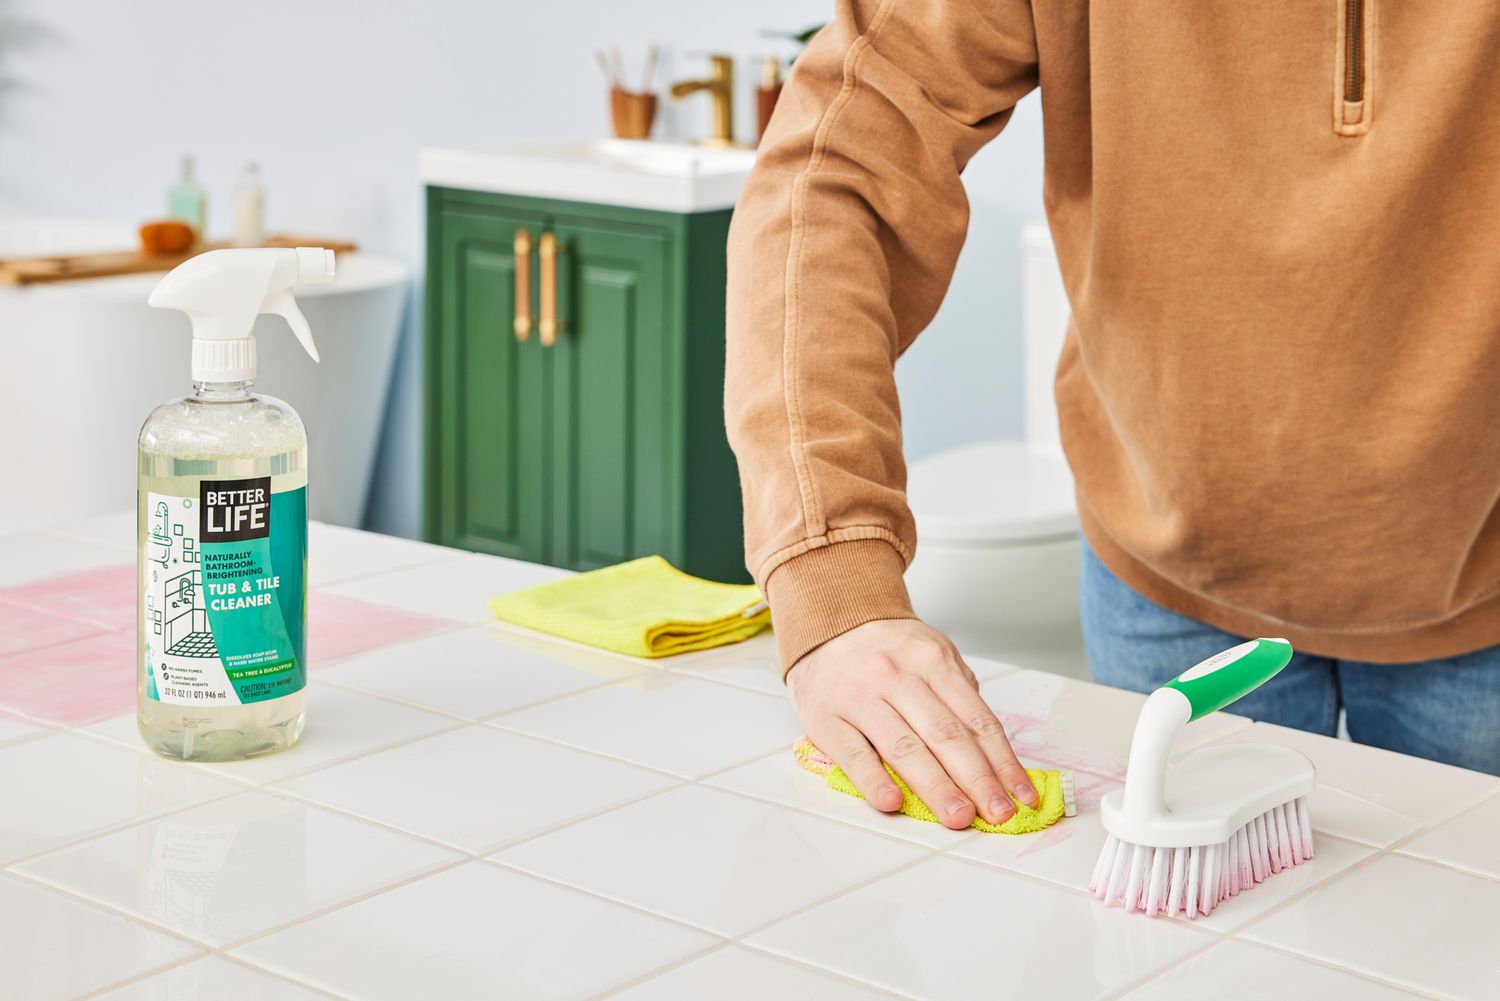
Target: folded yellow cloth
x,y
1054,794
644,608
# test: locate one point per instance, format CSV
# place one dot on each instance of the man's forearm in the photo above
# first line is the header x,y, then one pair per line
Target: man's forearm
x,y
841,249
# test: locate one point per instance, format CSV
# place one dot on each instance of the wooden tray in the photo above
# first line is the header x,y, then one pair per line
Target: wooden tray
x,y
72,267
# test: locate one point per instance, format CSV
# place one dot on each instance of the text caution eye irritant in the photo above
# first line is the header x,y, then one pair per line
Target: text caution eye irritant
x,y
221,524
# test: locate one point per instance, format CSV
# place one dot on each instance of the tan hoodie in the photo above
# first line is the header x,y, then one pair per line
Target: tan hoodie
x,y
1280,235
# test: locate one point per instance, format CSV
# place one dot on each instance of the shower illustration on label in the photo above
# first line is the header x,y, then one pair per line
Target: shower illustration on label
x,y
161,536
175,605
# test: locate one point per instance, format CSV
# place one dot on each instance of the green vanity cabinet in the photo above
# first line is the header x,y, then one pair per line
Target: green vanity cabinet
x,y
602,438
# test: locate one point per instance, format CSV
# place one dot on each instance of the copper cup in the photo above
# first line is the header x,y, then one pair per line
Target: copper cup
x,y
633,113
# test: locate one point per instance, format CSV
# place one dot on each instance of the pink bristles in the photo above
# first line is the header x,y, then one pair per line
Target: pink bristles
x,y
1192,881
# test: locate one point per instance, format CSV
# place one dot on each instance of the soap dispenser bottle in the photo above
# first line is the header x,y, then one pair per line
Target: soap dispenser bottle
x,y
221,522
249,209
187,201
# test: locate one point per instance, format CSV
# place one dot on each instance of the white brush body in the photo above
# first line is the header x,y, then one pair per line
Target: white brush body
x,y
1210,794
1223,819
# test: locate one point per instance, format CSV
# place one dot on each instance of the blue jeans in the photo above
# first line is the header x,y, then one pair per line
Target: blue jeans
x,y
1447,710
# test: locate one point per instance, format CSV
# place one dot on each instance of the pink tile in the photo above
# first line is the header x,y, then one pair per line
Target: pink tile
x,y
73,683
23,628
340,627
82,675
104,597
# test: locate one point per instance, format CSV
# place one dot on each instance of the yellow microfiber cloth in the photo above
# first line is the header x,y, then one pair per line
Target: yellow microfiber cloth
x,y
644,608
1054,788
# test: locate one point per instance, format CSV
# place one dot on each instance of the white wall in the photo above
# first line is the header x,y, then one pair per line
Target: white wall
x,y
334,98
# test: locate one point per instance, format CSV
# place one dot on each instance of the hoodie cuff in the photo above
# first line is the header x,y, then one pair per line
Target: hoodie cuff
x,y
826,592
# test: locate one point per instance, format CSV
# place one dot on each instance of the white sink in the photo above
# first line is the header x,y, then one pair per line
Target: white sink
x,y
671,177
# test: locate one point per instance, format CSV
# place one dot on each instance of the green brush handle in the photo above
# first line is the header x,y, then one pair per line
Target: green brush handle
x,y
1224,677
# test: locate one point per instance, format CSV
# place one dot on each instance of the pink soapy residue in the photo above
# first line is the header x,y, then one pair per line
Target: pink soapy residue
x,y
1029,739
68,644
103,597
1054,835
23,629
74,683
341,627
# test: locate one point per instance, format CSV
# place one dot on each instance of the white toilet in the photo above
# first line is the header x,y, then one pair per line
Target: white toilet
x,y
997,527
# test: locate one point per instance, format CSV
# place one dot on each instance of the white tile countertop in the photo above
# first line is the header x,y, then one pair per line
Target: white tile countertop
x,y
480,812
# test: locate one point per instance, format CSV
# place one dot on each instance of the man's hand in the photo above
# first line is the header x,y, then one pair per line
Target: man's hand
x,y
897,689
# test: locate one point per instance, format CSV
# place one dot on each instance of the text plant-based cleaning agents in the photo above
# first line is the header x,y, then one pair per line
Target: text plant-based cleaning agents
x,y
221,522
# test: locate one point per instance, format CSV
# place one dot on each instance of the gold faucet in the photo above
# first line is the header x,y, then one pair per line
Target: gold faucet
x,y
720,86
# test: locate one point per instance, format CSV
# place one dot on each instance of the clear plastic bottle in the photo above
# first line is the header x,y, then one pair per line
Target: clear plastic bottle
x,y
221,522
221,433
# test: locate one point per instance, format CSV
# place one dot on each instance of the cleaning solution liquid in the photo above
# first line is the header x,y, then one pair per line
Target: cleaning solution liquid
x,y
221,523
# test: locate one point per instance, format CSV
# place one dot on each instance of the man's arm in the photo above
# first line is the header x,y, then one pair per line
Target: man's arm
x,y
841,249
840,252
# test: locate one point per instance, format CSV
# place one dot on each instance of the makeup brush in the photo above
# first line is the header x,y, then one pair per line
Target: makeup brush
x,y
604,67
650,69
619,64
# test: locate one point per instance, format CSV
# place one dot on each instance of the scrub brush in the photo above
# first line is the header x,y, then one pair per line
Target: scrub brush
x,y
1235,813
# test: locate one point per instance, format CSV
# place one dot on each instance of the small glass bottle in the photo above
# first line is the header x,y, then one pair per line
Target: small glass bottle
x,y
250,209
187,201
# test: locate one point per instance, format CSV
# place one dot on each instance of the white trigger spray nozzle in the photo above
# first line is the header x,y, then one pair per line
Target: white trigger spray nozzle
x,y
223,291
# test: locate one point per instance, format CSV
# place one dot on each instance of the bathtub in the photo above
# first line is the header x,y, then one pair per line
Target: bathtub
x,y
82,363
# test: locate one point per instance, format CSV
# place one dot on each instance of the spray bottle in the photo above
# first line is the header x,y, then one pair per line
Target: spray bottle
x,y
221,522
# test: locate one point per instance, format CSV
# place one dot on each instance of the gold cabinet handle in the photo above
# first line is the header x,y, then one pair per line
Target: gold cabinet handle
x,y
547,252
522,247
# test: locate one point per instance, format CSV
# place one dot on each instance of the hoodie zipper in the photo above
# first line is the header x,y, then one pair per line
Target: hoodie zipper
x,y
1354,50
1351,89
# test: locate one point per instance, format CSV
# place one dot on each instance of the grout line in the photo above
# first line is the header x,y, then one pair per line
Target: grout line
x,y
265,933
827,971
851,825
295,800
1463,807
399,700
1131,986
554,741
651,670
596,895
59,849
428,561
25,738
592,815
497,723
1450,866
99,905
66,536
139,978
96,835
1308,891
445,627
774,957
207,767
1353,971
267,972
924,856
481,853
659,971
651,975
685,672
160,971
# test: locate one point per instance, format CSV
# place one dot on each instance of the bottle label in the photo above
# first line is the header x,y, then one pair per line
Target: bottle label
x,y
224,578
